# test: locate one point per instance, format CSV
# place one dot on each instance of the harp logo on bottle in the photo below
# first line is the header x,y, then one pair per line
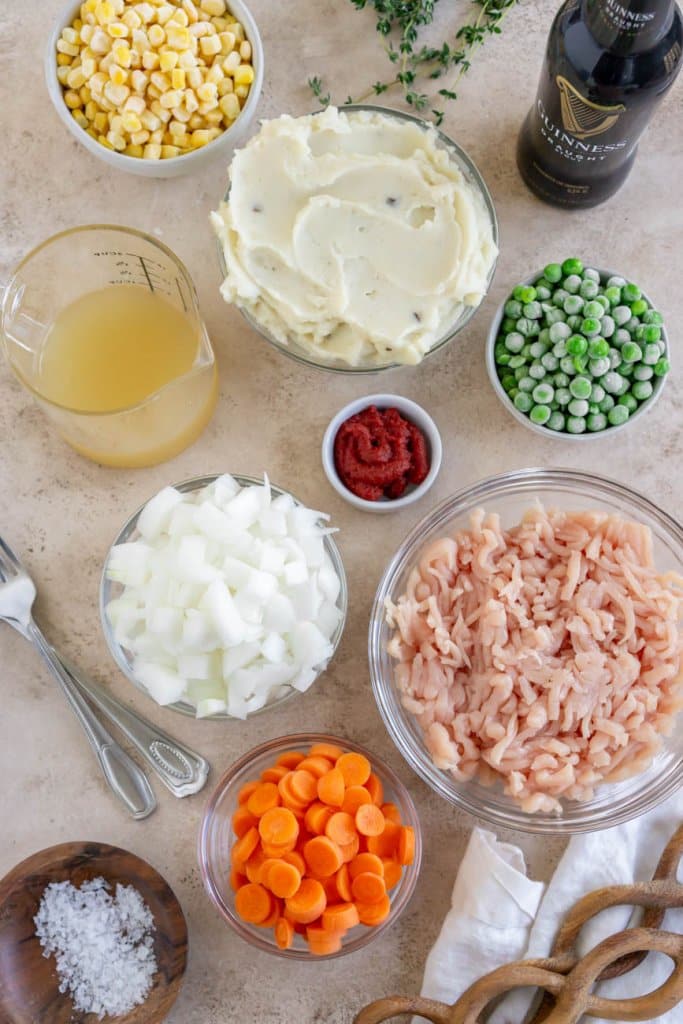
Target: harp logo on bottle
x,y
581,117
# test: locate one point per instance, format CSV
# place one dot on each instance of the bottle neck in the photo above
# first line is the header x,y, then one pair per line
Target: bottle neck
x,y
628,26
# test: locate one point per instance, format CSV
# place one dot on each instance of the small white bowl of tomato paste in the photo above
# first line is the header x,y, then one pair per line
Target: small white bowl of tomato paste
x,y
382,453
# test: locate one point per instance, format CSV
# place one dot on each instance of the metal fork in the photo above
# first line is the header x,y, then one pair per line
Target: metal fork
x,y
126,779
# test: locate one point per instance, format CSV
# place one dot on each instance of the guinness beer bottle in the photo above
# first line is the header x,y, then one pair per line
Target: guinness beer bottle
x,y
607,65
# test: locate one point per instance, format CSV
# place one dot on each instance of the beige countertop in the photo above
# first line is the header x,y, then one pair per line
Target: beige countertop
x,y
62,512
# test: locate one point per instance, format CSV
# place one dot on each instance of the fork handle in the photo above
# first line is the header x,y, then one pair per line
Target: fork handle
x,y
180,769
126,779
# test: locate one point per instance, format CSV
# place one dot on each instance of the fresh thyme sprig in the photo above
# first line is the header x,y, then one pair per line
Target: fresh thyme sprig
x,y
400,21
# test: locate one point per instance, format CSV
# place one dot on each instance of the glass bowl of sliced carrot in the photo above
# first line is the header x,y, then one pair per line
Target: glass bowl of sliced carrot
x,y
310,846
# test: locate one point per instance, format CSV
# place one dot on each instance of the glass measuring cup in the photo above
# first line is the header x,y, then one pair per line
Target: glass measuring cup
x,y
89,263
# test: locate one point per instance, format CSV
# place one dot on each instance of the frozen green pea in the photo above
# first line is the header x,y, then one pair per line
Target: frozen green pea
x,y
626,369
615,281
591,274
514,342
539,414
597,393
661,367
560,349
513,309
639,333
580,387
596,421
589,289
509,381
578,407
556,421
638,307
537,370
620,336
526,383
599,367
559,332
559,295
567,365
526,352
560,380
572,266
593,309
544,336
517,293
553,272
580,363
642,389
519,372
604,302
593,407
643,372
537,349
614,358
543,292
576,425
523,401
618,415
554,405
632,324
622,315
515,361
631,352
652,333
543,393
613,295
550,361
590,326
607,326
527,293
651,316
532,310
662,346
554,316
629,401
597,348
574,321
524,326
606,404
512,393
573,305
507,326
572,283
563,396
577,345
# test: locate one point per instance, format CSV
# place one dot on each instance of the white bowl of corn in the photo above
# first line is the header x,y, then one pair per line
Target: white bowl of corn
x,y
156,87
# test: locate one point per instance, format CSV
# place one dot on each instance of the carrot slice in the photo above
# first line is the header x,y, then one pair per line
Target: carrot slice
x,y
392,872
303,786
273,917
283,879
274,774
385,844
253,903
366,862
244,847
321,942
391,813
284,933
341,829
279,827
406,845
343,882
374,913
368,887
290,759
307,903
327,750
296,860
288,798
355,797
236,879
349,851
330,788
370,820
339,917
323,856
246,791
375,788
265,796
317,766
317,816
355,768
242,821
252,868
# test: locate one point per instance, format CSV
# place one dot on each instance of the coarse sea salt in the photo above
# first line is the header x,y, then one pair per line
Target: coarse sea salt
x,y
102,944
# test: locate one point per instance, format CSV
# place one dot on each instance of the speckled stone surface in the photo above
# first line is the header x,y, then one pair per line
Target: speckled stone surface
x,y
62,512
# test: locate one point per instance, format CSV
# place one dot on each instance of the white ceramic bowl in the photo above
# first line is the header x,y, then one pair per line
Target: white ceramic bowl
x,y
171,168
658,382
411,411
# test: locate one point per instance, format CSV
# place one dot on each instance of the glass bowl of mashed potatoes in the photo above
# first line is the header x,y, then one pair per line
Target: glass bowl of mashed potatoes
x,y
355,240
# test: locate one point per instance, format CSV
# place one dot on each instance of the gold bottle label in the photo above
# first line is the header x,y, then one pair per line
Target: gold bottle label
x,y
580,116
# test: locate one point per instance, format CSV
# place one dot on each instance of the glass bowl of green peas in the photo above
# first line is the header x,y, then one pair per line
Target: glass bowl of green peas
x,y
577,352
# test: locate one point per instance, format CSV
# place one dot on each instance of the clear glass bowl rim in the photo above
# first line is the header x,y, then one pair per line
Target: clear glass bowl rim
x,y
579,819
195,484
408,812
476,177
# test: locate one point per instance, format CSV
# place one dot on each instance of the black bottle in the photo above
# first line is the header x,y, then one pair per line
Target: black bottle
x,y
607,65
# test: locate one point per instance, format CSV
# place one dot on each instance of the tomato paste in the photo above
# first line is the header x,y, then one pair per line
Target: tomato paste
x,y
378,453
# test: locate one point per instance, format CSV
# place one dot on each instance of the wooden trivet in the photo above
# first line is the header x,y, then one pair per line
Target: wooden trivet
x,y
566,981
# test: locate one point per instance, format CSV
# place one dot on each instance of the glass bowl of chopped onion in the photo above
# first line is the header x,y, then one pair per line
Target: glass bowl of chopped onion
x,y
526,651
314,356
226,821
215,605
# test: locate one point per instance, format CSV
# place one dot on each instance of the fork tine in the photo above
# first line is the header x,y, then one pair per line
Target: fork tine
x,y
9,564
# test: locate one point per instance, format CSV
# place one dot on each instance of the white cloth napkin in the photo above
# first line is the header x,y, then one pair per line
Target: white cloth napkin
x,y
499,915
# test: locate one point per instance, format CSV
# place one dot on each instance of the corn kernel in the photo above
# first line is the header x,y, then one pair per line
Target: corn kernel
x,y
225,85
107,62
167,152
195,122
231,63
160,80
77,24
103,141
86,34
146,12
150,120
80,118
187,60
89,65
200,137
63,60
157,35
152,92
88,7
92,133
179,18
62,74
150,60
190,100
116,94
220,24
70,35
135,105
170,99
242,91
210,45
195,78
104,12
72,99
85,94
117,30
91,110
100,121
68,48
199,29
141,43
215,74
177,37
122,54
238,31
227,42
152,152
133,150
190,10
131,121
116,124
164,13
139,81
206,91
100,42
178,78
230,105
168,60
156,137
118,75
245,50
131,18
180,114
214,8
176,129
244,75
140,138
116,141
213,117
